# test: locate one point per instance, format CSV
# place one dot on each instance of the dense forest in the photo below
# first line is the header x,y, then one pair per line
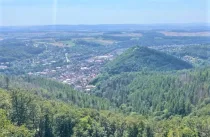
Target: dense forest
x,y
161,94
11,50
51,89
25,114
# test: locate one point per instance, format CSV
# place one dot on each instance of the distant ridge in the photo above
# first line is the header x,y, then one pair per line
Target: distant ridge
x,y
107,27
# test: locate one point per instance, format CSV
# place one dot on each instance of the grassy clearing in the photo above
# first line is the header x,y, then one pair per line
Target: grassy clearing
x,y
97,40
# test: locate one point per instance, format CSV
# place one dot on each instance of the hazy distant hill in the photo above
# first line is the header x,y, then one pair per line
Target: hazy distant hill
x,y
143,58
107,27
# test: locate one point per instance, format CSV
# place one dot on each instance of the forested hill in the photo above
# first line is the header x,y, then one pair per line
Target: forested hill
x,y
50,89
157,93
142,58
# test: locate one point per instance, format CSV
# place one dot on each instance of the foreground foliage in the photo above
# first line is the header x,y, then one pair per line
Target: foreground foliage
x,y
24,114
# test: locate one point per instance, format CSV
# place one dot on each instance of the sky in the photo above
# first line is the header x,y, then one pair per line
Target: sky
x,y
75,12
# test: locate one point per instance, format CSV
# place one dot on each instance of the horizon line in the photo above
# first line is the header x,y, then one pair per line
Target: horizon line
x,y
100,24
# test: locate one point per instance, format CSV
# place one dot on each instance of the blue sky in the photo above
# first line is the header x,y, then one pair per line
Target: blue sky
x,y
50,12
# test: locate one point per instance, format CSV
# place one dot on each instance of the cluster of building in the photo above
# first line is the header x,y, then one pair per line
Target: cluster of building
x,y
63,65
77,73
3,65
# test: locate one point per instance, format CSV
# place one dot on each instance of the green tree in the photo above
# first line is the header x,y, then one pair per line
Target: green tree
x,y
21,102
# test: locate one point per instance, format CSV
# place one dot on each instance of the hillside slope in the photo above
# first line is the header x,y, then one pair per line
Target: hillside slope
x,y
157,93
50,89
142,58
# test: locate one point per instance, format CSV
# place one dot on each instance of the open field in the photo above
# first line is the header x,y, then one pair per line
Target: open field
x,y
97,40
187,34
68,43
127,35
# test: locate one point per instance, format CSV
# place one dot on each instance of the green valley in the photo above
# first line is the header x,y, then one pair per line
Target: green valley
x,y
105,81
